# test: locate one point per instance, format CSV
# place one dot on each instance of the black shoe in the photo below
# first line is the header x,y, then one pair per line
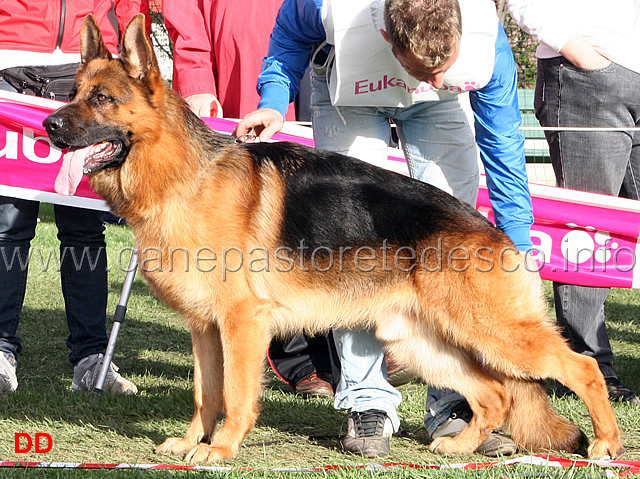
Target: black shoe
x,y
562,391
619,392
368,433
112,219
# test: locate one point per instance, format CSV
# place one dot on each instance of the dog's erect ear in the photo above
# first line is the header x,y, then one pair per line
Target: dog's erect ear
x,y
137,53
91,44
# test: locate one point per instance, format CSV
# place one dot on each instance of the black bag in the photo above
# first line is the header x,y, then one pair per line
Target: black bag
x,y
54,81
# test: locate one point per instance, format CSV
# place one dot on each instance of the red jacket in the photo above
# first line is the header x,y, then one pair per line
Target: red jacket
x,y
218,49
41,25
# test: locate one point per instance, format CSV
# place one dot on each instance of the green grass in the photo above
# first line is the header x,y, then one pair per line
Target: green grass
x,y
154,351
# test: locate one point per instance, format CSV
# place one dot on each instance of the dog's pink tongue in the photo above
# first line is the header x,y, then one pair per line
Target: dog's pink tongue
x,y
70,173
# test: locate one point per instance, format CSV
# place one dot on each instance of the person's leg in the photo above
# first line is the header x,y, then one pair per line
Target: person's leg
x,y
440,148
17,229
363,382
363,133
631,182
83,273
596,161
439,144
83,259
305,363
18,220
364,390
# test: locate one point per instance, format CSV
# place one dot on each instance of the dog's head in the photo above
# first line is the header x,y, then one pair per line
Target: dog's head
x,y
103,120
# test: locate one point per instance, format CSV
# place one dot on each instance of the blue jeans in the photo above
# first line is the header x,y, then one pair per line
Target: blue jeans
x,y
601,162
440,148
83,272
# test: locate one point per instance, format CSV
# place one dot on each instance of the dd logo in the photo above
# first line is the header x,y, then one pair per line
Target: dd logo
x,y
20,448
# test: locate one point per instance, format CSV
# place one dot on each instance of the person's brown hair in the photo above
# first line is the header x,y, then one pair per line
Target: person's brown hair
x,y
427,28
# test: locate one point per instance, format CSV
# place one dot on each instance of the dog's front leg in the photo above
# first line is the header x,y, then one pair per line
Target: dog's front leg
x,y
207,390
245,334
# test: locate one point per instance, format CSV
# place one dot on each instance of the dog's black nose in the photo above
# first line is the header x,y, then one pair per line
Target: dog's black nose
x,y
53,122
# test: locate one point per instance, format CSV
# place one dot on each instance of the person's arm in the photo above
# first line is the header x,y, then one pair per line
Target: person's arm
x,y
555,24
193,76
501,145
127,9
548,21
298,28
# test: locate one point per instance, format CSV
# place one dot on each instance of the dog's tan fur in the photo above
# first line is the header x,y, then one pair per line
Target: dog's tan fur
x,y
183,188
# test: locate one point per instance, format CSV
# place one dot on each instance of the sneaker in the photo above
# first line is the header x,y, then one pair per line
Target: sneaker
x,y
498,444
86,372
316,384
617,391
368,433
8,380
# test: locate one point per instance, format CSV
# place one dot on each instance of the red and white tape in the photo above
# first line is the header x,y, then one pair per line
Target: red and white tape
x,y
627,468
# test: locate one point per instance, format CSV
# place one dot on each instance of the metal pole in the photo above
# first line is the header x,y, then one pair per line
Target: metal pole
x,y
118,318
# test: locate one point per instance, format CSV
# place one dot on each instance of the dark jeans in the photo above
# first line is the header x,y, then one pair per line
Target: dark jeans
x,y
600,162
83,272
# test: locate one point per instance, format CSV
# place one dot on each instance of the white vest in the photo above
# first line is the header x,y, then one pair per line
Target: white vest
x,y
366,73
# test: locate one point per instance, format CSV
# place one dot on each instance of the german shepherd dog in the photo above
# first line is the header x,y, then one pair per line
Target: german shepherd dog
x,y
252,240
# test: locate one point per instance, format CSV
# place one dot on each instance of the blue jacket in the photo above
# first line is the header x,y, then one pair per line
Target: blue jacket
x,y
298,30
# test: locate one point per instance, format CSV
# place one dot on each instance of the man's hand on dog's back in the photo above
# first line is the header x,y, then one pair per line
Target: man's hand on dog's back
x,y
264,122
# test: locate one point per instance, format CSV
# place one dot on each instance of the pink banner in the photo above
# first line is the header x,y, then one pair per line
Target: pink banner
x,y
580,238
29,163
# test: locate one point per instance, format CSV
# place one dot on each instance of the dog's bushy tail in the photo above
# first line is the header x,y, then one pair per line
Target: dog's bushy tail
x,y
535,426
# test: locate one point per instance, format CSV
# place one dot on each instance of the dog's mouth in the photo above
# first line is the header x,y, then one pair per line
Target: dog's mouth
x,y
85,161
98,156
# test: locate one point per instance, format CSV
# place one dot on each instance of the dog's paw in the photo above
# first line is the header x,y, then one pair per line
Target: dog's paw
x,y
441,445
605,449
206,453
451,445
177,446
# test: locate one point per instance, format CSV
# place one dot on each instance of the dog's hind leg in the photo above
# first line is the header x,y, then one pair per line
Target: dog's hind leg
x,y
443,366
245,335
207,390
531,349
582,375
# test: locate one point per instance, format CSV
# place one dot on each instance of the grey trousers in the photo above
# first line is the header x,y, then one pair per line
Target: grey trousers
x,y
600,162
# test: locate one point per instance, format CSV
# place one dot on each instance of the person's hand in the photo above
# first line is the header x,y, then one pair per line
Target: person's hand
x,y
582,55
205,104
264,122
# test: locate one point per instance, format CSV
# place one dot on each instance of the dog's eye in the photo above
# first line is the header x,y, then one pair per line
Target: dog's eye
x,y
101,98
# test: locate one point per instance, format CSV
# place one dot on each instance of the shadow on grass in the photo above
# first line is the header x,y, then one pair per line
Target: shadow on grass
x,y
145,352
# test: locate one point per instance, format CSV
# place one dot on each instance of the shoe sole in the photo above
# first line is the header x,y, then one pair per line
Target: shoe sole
x,y
321,392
